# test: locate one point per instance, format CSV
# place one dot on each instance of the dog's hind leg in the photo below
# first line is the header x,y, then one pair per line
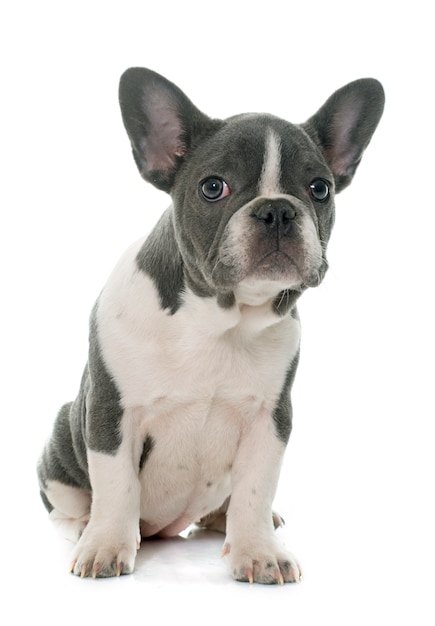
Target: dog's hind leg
x,y
218,519
62,473
70,508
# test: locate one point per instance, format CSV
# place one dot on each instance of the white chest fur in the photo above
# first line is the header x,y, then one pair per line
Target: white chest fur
x,y
193,381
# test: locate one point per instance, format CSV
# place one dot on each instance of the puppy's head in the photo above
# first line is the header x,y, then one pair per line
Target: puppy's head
x,y
253,195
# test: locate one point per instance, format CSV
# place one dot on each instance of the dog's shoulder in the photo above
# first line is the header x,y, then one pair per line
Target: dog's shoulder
x,y
159,258
148,278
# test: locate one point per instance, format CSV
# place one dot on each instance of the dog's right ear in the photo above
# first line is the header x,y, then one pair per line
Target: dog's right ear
x,y
344,125
161,123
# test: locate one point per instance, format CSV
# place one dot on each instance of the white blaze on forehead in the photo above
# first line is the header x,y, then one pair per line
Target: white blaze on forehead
x,y
271,172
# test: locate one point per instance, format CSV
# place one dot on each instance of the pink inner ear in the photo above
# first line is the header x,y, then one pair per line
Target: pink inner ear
x,y
341,162
163,143
343,153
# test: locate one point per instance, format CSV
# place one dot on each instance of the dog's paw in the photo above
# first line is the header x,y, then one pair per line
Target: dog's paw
x,y
267,564
103,554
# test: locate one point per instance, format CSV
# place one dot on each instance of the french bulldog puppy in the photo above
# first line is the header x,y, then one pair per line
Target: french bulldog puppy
x,y
184,411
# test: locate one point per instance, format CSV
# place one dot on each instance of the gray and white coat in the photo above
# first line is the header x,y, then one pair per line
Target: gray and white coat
x,y
184,409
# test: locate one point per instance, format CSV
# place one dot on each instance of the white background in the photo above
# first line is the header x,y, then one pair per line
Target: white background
x,y
357,487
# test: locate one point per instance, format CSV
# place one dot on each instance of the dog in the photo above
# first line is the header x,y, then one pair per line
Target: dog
x,y
184,409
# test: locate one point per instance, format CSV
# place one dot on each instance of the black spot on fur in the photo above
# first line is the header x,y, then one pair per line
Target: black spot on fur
x,y
148,445
283,412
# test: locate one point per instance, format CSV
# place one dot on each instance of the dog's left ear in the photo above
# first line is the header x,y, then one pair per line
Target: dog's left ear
x,y
344,125
161,122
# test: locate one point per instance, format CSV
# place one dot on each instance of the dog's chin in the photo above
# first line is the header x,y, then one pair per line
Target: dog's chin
x,y
276,266
271,276
280,268
268,276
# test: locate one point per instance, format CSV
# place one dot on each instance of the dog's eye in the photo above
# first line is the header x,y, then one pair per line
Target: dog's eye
x,y
214,189
319,190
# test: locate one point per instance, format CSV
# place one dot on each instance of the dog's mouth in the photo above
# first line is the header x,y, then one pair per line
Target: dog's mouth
x,y
279,265
274,262
286,270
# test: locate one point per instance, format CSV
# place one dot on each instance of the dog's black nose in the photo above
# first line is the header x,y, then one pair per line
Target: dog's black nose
x,y
277,215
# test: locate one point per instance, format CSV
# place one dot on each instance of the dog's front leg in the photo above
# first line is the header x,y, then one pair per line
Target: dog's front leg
x,y
254,552
110,541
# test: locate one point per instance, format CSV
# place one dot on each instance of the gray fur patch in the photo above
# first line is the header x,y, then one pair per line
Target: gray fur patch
x,y
285,301
160,258
64,456
92,420
226,299
283,412
103,408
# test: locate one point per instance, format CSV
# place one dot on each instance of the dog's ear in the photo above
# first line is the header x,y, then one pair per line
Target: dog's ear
x,y
161,123
344,125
